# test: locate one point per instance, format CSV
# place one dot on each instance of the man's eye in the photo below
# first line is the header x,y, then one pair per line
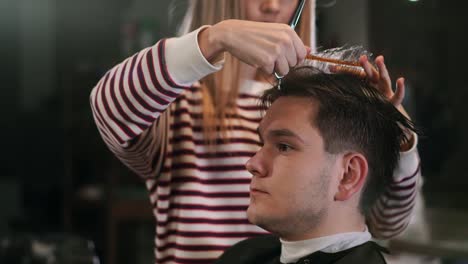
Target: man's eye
x,y
283,147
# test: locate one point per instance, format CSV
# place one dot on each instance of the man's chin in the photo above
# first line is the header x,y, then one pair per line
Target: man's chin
x,y
253,215
257,218
264,223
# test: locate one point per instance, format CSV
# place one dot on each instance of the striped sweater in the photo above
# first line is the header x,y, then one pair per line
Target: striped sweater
x,y
200,194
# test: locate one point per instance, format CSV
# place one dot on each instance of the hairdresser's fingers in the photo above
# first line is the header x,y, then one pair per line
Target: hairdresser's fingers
x,y
291,55
300,48
385,83
399,95
371,73
398,99
285,50
258,44
291,47
282,66
266,62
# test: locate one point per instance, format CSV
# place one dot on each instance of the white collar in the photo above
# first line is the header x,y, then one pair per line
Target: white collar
x,y
291,252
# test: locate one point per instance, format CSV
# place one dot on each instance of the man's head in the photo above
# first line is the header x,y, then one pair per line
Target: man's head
x,y
330,145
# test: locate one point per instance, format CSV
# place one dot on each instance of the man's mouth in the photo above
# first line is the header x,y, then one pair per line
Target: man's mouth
x,y
257,191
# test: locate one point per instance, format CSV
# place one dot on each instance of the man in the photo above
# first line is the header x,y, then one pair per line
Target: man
x,y
330,145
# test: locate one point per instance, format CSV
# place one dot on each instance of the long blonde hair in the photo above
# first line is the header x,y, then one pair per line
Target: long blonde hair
x,y
219,102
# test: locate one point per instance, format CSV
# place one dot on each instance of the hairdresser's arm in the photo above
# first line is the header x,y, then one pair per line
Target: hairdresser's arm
x,y
267,46
392,212
129,98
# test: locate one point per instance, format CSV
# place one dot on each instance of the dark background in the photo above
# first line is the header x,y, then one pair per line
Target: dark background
x,y
56,176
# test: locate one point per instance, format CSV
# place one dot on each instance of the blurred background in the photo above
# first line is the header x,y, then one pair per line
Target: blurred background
x,y
58,182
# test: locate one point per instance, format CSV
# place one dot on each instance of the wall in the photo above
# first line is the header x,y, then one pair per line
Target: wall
x,y
343,23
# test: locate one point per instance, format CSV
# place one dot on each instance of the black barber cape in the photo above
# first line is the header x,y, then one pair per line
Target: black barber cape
x,y
267,250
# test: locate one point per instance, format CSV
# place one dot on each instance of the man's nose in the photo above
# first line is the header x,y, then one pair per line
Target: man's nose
x,y
256,165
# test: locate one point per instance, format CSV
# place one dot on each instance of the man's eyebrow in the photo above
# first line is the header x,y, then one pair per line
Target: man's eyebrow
x,y
284,133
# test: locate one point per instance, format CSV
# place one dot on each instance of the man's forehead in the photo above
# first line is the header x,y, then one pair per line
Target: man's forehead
x,y
290,109
287,113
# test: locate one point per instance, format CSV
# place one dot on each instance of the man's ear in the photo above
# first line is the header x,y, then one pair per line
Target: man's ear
x,y
355,169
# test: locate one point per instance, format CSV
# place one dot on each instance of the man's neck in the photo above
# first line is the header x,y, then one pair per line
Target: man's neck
x,y
337,222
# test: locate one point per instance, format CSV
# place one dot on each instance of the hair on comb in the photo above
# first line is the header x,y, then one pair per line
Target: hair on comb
x,y
338,60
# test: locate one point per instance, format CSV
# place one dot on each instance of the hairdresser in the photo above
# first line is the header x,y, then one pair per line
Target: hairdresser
x,y
183,115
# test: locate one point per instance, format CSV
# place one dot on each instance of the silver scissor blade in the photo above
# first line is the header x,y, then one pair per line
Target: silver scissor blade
x,y
297,14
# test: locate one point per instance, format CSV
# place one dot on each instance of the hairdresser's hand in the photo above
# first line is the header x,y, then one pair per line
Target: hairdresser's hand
x,y
380,79
271,47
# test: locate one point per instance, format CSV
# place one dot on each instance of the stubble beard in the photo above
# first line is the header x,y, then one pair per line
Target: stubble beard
x,y
302,220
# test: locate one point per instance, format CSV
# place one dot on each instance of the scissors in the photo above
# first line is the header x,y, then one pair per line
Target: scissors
x,y
293,23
